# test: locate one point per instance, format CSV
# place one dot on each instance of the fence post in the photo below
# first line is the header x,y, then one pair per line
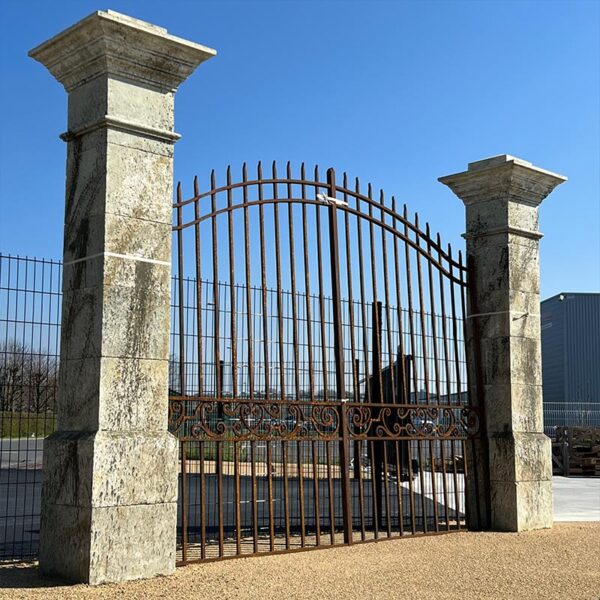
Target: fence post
x,y
502,197
109,500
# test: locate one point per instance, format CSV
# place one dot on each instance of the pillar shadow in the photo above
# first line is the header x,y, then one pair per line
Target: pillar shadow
x,y
25,576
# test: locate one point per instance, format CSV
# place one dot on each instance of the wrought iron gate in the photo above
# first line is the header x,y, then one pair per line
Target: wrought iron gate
x,y
319,385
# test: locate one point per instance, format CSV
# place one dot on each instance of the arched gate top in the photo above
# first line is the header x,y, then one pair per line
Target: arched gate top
x,y
317,192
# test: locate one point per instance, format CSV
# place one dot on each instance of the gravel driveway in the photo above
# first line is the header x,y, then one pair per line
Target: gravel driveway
x,y
559,563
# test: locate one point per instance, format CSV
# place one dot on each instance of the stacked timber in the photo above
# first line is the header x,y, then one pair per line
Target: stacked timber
x,y
581,447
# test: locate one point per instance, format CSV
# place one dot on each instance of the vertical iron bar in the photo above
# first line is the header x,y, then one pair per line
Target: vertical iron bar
x,y
436,368
456,363
249,311
344,446
200,349
254,496
270,497
422,318
478,385
184,503
316,494
286,507
357,443
377,394
202,503
368,397
232,296
238,497
322,316
181,308
216,299
296,342
220,495
361,494
331,493
414,369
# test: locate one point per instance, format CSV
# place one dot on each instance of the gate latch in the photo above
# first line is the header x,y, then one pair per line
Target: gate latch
x,y
331,200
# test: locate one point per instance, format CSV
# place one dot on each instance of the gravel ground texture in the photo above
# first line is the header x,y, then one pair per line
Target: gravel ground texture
x,y
561,563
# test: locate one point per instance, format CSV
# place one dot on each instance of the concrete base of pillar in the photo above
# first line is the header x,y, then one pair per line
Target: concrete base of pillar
x,y
113,512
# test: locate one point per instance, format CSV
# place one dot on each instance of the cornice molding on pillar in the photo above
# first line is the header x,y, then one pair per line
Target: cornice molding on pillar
x,y
117,46
503,177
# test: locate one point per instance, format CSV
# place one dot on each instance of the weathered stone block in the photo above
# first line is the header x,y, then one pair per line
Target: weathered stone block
x,y
511,359
81,333
120,235
113,394
505,323
132,542
505,262
78,394
517,456
133,394
132,316
521,506
513,407
121,99
61,558
85,185
117,321
107,468
113,270
117,173
108,544
125,475
497,216
140,180
67,468
144,143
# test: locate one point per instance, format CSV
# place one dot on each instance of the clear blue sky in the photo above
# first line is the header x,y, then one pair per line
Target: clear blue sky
x,y
397,93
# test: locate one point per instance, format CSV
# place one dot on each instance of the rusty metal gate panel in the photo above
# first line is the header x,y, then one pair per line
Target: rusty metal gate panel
x,y
318,384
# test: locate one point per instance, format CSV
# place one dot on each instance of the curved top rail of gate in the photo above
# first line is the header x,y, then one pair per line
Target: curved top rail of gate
x,y
274,189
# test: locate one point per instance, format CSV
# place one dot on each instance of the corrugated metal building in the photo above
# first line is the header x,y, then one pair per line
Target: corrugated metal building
x,y
571,360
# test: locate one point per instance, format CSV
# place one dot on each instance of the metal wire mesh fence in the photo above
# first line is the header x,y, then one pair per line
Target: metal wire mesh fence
x,y
30,315
30,303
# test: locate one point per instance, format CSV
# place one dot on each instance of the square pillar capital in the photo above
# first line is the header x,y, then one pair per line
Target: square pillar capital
x,y
121,75
500,178
110,44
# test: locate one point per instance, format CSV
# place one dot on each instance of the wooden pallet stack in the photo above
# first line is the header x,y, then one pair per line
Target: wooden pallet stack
x,y
579,447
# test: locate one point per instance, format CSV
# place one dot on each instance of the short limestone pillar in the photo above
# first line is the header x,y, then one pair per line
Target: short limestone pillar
x,y
513,463
109,501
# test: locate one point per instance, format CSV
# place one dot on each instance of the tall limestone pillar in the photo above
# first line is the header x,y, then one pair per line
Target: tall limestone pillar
x,y
109,499
502,197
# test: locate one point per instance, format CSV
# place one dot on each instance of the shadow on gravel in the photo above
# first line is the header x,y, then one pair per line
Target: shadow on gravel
x,y
24,576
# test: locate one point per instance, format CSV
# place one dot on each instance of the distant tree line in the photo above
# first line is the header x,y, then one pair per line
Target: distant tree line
x,y
28,379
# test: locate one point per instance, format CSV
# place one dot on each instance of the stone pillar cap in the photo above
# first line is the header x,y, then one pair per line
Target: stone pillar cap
x,y
503,176
110,43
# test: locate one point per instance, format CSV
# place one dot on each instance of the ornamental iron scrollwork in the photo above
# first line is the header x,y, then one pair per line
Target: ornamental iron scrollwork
x,y
246,420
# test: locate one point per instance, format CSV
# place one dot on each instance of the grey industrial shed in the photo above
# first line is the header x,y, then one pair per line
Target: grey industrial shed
x,y
571,359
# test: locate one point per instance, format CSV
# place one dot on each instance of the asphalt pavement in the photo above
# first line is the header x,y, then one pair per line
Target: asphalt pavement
x,y
575,499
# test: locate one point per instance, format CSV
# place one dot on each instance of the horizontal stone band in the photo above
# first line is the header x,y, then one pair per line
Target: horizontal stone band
x,y
502,312
534,235
115,255
109,122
